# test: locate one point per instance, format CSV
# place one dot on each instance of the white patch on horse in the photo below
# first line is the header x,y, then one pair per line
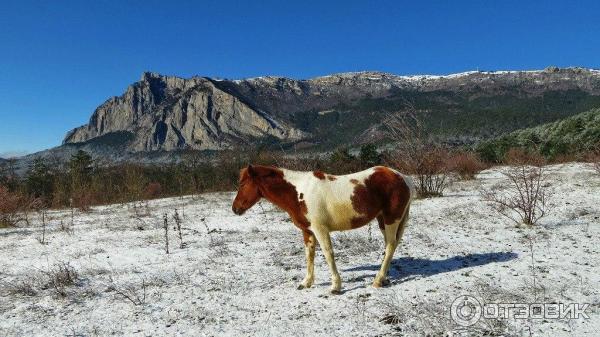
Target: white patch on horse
x,y
328,202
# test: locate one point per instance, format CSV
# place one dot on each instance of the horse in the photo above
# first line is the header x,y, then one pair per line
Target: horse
x,y
320,203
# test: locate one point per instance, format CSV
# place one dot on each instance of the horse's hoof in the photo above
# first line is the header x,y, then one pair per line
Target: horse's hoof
x,y
336,292
382,283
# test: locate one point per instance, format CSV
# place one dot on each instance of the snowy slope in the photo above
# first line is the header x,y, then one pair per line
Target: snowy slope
x,y
241,278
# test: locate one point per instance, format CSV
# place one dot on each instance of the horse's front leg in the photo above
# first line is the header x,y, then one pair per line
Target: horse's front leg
x,y
309,250
324,239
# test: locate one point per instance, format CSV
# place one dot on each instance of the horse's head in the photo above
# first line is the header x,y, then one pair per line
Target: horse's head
x,y
248,191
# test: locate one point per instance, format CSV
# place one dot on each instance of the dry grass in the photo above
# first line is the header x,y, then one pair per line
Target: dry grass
x,y
57,279
356,244
133,293
431,317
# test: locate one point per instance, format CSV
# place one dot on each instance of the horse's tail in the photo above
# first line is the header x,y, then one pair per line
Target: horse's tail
x,y
411,185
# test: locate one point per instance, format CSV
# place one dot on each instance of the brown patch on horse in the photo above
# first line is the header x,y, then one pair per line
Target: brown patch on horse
x,y
331,178
301,196
277,190
319,174
354,181
384,193
367,204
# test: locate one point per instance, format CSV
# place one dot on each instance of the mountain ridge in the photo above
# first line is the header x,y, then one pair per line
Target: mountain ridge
x,y
204,113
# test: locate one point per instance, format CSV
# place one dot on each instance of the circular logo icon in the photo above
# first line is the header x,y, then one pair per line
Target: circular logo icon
x,y
466,310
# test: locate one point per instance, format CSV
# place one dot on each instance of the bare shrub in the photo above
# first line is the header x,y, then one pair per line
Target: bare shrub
x,y
219,248
153,191
42,239
59,277
166,228
134,182
298,162
11,207
417,154
518,156
136,294
524,199
19,287
140,209
83,200
177,220
465,164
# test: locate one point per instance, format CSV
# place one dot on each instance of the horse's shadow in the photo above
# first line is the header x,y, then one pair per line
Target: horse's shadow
x,y
408,268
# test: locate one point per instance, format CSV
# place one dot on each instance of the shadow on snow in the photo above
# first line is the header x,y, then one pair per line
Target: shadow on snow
x,y
408,268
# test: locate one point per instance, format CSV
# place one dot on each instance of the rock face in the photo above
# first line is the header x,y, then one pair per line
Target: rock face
x,y
168,113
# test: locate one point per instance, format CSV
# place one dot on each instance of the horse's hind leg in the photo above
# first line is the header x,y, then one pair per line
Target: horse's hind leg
x,y
309,249
390,231
393,234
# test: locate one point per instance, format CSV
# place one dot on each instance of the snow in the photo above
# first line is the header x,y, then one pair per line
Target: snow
x,y
240,280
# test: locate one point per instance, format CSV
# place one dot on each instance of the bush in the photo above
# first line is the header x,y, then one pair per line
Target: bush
x,y
520,157
83,200
465,164
11,206
61,276
525,199
153,191
418,155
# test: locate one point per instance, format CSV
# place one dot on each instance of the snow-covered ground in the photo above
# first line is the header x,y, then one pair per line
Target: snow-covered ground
x,y
237,276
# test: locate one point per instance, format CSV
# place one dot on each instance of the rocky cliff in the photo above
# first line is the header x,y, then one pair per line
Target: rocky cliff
x,y
167,113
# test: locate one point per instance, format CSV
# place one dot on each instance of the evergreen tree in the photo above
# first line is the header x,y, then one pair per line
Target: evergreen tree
x,y
369,156
80,169
39,180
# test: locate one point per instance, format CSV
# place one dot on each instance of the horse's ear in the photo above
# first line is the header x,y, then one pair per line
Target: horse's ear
x,y
251,171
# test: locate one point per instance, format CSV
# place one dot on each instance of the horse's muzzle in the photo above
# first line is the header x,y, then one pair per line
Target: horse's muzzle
x,y
238,210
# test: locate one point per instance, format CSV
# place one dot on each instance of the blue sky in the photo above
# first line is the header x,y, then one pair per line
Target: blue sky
x,y
59,60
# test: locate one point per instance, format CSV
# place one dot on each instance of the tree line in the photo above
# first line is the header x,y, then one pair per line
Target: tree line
x,y
81,182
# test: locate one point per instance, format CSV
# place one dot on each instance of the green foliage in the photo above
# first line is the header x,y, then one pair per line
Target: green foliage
x,y
369,156
80,168
574,135
447,114
38,181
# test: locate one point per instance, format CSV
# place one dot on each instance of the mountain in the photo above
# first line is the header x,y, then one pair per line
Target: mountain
x,y
166,113
573,135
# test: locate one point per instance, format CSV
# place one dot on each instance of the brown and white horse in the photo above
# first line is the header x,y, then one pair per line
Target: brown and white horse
x,y
320,203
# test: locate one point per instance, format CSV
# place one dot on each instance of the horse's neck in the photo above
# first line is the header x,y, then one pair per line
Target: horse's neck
x,y
283,192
